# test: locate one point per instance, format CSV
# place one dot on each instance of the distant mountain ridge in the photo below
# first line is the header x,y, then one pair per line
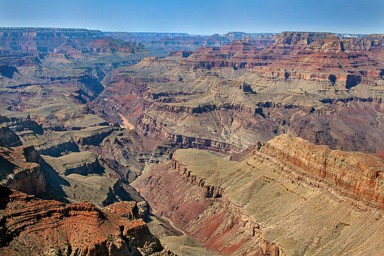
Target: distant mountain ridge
x,y
60,40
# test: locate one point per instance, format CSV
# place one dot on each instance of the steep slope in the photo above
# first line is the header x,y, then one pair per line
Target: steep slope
x,y
278,202
318,86
20,169
30,226
353,174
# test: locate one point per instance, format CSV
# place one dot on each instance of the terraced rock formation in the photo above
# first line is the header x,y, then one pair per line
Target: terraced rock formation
x,y
61,41
292,198
30,226
47,77
162,44
82,120
318,86
354,174
20,169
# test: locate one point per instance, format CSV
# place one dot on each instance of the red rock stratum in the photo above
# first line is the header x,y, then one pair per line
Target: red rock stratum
x,y
292,198
30,226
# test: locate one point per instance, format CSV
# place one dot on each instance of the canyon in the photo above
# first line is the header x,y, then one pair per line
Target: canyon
x,y
236,95
127,143
288,198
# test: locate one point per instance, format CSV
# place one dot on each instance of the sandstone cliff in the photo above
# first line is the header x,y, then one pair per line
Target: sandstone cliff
x,y
317,86
357,175
302,55
30,226
294,198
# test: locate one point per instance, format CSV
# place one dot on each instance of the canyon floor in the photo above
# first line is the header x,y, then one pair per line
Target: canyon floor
x,y
172,144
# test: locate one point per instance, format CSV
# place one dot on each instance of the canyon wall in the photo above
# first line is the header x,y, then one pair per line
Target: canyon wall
x,y
197,208
280,201
357,175
233,96
20,167
61,40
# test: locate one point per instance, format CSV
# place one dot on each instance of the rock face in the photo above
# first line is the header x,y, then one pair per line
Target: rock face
x,y
82,163
237,206
317,86
95,120
59,40
357,175
8,137
176,43
31,226
20,169
307,56
191,207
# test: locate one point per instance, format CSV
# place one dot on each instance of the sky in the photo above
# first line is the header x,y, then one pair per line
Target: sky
x,y
198,16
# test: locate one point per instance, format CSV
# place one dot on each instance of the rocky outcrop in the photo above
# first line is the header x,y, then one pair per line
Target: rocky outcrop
x,y
20,169
324,56
38,227
17,124
60,143
301,55
8,137
357,175
92,135
302,80
244,201
152,128
82,163
202,211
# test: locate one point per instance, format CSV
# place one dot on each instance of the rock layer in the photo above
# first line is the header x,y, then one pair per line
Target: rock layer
x,y
31,226
318,86
20,169
279,202
358,175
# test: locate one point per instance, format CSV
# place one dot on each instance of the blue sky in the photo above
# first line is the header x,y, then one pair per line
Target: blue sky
x,y
198,16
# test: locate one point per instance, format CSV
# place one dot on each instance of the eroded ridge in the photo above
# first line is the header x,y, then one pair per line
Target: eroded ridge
x,y
270,202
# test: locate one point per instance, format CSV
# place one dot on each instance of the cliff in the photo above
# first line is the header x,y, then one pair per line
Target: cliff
x,y
354,174
61,40
30,226
237,207
235,95
195,207
165,43
302,55
20,169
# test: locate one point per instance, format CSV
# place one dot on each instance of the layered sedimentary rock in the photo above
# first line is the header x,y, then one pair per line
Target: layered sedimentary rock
x,y
174,43
31,226
357,175
60,40
20,166
237,207
317,86
20,169
68,96
307,56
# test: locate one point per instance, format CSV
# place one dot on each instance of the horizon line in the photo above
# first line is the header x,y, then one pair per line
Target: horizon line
x,y
191,34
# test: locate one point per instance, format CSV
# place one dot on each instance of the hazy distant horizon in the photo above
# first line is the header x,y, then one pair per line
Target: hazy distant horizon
x,y
191,34
202,17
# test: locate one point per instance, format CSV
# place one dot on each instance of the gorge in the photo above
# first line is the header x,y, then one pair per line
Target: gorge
x,y
176,144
